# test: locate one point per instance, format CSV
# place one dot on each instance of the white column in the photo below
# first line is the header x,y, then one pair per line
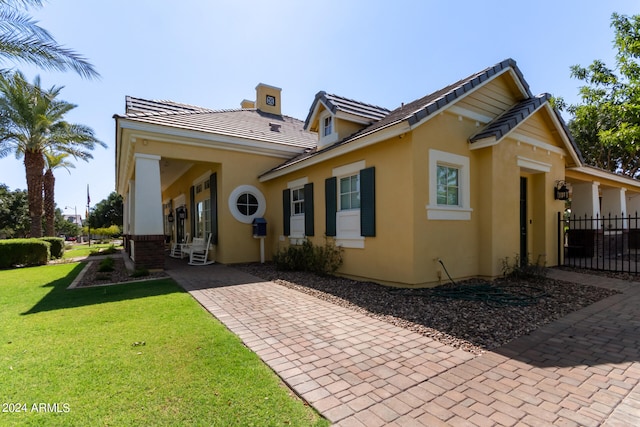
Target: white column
x,y
633,204
125,214
614,204
147,215
132,206
585,200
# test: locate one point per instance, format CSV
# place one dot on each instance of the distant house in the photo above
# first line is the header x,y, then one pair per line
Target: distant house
x,y
74,219
466,175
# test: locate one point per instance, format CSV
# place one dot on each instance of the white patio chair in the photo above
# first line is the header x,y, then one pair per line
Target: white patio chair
x,y
199,254
177,248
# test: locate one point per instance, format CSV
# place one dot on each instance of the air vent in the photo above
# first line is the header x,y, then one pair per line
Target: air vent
x,y
275,127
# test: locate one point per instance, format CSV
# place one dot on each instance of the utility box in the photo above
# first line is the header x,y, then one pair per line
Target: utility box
x,y
259,227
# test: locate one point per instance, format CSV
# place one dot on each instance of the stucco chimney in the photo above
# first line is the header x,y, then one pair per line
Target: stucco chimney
x,y
247,104
268,99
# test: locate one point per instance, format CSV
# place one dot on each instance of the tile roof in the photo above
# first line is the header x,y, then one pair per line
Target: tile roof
x,y
335,103
511,118
422,108
250,123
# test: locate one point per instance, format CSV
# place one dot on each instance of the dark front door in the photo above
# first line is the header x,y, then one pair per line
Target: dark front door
x,y
523,221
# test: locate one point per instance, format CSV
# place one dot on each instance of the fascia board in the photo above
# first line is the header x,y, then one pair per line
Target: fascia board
x,y
314,115
214,140
516,78
510,70
357,144
561,130
598,173
483,143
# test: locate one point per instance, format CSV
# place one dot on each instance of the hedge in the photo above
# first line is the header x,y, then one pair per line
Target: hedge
x,y
57,246
15,252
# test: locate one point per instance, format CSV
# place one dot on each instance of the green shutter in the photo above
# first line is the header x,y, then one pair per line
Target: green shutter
x,y
308,210
286,211
213,188
192,210
368,202
331,205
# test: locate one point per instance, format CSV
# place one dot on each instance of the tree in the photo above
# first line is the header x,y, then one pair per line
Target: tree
x,y
53,161
64,226
31,122
606,124
14,213
107,212
21,39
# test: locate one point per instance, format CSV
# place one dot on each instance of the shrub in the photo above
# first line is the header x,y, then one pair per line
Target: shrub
x,y
324,259
15,252
57,246
524,270
106,265
105,251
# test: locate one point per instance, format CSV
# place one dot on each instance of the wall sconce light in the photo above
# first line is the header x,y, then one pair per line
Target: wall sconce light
x,y
170,217
182,213
561,191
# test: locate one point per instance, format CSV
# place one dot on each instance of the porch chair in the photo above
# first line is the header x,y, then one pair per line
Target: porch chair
x,y
199,252
177,249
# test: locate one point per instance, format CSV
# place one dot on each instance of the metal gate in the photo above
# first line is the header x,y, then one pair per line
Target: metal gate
x,y
608,243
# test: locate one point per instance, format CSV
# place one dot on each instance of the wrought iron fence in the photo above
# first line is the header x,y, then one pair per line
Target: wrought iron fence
x,y
607,243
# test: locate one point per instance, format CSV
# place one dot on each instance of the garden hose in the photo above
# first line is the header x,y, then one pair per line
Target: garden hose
x,y
499,295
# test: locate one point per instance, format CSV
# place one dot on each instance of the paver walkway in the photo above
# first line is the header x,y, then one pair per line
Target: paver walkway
x,y
582,370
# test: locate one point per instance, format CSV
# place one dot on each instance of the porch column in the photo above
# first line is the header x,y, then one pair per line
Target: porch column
x,y
147,234
633,204
125,222
585,201
614,204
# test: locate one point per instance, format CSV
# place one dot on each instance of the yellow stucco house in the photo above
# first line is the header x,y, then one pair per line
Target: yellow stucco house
x,y
465,175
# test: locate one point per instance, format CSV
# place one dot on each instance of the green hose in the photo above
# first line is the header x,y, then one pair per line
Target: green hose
x,y
505,295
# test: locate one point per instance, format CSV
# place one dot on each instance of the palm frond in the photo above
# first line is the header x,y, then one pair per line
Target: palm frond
x,y
22,39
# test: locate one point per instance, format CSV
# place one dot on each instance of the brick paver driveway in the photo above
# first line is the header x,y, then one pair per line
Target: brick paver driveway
x,y
582,370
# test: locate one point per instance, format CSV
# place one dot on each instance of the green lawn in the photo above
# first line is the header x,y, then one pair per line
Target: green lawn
x,y
82,250
132,354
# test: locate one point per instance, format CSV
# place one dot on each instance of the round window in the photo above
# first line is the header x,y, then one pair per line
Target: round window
x,y
246,203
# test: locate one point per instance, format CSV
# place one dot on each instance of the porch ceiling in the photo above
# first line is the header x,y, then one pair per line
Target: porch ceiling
x,y
172,169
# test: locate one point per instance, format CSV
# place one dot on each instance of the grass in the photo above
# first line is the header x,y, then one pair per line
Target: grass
x,y
83,249
131,354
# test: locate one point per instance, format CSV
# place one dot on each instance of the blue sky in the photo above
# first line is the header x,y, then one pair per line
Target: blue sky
x,y
214,53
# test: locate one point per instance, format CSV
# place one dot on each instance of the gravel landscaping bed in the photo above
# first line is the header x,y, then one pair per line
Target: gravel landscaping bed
x,y
474,315
120,274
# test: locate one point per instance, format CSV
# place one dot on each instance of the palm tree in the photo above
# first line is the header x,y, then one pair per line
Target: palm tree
x,y
22,39
31,122
53,161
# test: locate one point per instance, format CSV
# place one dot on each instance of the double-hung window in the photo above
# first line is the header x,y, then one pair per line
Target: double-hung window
x,y
350,204
350,192
449,187
297,201
327,126
297,209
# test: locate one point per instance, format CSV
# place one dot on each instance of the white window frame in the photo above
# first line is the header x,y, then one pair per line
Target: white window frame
x,y
233,203
202,219
348,221
331,137
448,187
327,126
296,222
461,212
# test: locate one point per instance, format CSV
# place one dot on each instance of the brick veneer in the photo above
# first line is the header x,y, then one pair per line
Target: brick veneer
x,y
148,251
